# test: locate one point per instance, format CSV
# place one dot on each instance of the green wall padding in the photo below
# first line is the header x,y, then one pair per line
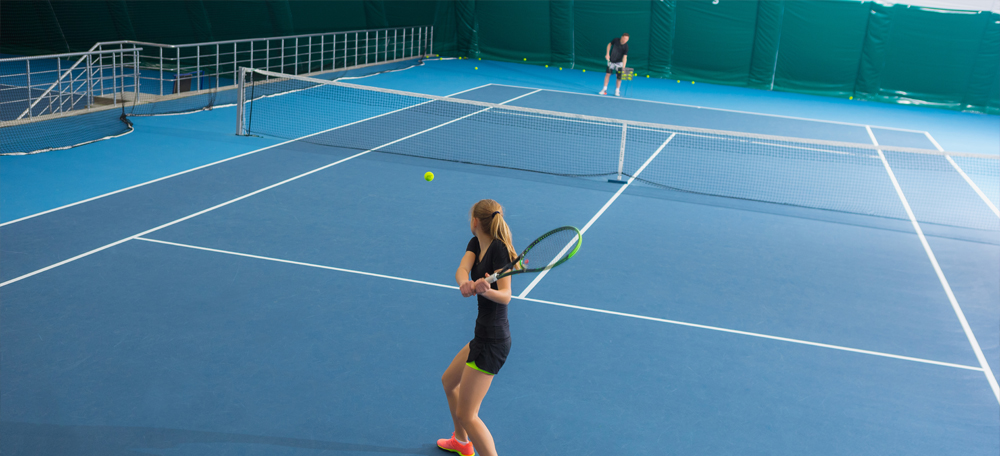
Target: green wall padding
x,y
467,28
984,86
764,59
820,47
662,21
515,30
928,56
714,42
864,49
561,33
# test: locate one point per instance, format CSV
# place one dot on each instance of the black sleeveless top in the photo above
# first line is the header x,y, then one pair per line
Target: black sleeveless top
x,y
491,324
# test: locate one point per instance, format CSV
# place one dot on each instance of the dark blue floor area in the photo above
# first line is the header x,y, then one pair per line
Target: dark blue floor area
x,y
151,348
201,353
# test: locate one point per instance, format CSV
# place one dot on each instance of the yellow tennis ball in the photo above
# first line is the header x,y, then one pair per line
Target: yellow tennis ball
x,y
546,66
584,71
477,68
428,176
525,59
647,75
560,68
692,82
678,81
480,58
850,97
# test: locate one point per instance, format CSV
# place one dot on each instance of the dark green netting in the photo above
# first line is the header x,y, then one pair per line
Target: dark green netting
x,y
896,54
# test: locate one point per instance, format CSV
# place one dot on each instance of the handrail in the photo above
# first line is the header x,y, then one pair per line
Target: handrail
x,y
246,40
97,48
68,54
83,57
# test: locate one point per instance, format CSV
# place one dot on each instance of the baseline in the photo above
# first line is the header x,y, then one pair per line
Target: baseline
x,y
721,109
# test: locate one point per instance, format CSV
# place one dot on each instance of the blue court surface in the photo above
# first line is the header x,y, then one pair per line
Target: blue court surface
x,y
290,298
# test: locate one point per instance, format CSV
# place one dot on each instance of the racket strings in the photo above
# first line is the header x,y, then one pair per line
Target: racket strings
x,y
551,250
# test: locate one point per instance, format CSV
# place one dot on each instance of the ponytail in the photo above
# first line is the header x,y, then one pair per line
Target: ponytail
x,y
490,214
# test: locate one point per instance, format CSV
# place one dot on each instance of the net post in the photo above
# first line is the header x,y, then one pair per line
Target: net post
x,y
431,40
240,100
621,154
135,74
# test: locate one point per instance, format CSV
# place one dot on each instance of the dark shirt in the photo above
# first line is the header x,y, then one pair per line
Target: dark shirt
x,y
491,324
618,50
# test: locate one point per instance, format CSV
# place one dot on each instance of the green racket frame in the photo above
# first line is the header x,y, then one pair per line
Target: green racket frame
x,y
517,266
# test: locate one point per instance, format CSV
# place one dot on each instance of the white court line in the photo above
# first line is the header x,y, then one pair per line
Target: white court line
x,y
944,282
570,306
538,278
975,187
221,161
718,109
237,198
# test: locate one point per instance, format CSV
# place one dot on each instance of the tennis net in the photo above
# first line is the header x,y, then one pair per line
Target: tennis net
x,y
828,175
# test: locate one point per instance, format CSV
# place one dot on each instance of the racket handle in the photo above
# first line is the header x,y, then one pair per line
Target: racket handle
x,y
492,278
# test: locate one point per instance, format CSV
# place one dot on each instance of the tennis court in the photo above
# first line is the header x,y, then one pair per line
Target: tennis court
x,y
233,228
298,299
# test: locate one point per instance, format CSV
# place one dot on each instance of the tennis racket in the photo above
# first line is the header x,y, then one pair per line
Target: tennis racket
x,y
548,251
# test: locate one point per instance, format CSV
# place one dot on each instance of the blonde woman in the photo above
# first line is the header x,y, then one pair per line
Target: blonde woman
x,y
470,374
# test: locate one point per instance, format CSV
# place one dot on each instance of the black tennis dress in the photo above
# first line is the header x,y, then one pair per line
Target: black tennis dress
x,y
489,348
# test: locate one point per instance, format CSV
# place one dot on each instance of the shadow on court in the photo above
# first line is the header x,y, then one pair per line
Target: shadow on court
x,y
51,439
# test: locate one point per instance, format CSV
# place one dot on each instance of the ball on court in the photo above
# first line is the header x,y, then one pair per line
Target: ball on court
x,y
584,71
477,68
560,68
525,59
678,81
850,97
647,75
546,66
428,176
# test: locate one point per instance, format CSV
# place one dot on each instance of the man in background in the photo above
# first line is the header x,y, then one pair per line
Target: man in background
x,y
617,56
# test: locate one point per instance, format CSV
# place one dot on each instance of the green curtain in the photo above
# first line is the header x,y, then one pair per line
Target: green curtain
x,y
515,31
864,49
713,42
820,46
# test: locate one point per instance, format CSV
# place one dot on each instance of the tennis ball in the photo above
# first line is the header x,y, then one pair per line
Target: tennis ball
x,y
480,58
647,75
560,68
477,68
584,71
525,59
850,97
678,81
428,176
692,82
546,66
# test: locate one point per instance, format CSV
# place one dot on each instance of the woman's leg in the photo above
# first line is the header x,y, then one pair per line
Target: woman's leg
x,y
451,379
472,390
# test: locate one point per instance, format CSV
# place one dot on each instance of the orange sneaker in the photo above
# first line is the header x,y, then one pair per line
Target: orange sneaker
x,y
454,446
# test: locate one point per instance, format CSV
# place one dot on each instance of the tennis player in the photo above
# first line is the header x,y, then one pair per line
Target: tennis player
x,y
616,56
469,375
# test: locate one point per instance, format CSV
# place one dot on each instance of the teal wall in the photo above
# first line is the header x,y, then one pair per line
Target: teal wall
x,y
841,48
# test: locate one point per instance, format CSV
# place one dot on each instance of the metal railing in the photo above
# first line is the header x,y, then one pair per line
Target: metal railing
x,y
168,69
40,86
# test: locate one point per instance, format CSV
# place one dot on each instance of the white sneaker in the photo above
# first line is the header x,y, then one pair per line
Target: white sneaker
x,y
603,92
618,93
